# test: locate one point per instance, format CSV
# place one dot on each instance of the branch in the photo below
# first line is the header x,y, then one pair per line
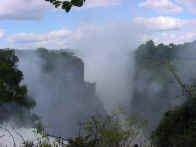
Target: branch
x,y
57,137
19,134
7,130
67,5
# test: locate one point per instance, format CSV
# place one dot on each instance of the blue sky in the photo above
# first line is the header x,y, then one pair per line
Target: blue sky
x,y
36,23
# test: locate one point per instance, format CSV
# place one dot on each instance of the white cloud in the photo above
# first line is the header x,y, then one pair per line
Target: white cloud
x,y
161,23
174,37
191,4
55,38
160,29
192,23
100,3
71,39
36,9
1,34
162,6
23,9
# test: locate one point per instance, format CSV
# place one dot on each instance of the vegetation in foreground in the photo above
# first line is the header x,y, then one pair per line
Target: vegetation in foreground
x,y
103,131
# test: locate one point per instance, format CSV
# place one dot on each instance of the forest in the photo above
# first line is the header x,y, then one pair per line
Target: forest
x,y
38,84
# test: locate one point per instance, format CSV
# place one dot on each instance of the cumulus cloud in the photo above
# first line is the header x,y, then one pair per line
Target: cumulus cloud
x,y
36,9
162,6
1,34
99,3
167,29
191,4
143,29
161,23
174,37
192,23
23,9
57,38
65,38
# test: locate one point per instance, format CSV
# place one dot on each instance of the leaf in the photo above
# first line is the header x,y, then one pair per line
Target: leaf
x,y
78,3
51,1
57,4
66,6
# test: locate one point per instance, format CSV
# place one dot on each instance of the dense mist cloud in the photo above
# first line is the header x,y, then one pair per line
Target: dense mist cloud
x,y
106,52
63,98
185,62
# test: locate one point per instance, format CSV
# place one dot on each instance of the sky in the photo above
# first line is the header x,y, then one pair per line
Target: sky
x,y
35,23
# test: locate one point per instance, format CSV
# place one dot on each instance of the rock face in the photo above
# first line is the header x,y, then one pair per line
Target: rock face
x,y
56,80
155,88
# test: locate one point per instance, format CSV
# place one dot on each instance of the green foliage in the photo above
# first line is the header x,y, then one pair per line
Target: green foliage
x,y
80,142
10,78
159,87
44,140
178,127
51,57
67,5
14,100
113,130
151,73
41,143
150,56
28,144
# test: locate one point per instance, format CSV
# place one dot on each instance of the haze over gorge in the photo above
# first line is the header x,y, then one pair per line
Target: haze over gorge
x,y
142,86
56,80
97,73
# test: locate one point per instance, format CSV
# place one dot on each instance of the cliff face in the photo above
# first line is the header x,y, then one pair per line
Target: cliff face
x,y
155,88
56,80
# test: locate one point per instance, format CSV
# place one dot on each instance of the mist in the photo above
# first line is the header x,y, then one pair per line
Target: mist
x,y
68,65
185,61
108,56
107,52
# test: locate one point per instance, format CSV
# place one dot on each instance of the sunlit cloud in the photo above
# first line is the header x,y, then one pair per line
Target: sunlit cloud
x,y
162,6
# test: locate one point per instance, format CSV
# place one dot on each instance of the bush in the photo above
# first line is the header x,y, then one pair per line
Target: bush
x,y
114,130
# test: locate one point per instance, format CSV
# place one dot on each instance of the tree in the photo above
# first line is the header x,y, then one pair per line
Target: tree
x,y
151,71
14,101
67,5
178,126
111,130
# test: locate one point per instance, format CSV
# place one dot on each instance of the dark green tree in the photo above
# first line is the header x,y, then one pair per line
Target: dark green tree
x,y
14,101
67,5
178,126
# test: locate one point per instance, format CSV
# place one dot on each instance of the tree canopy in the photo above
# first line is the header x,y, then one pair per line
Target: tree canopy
x,y
177,127
14,100
67,5
154,64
